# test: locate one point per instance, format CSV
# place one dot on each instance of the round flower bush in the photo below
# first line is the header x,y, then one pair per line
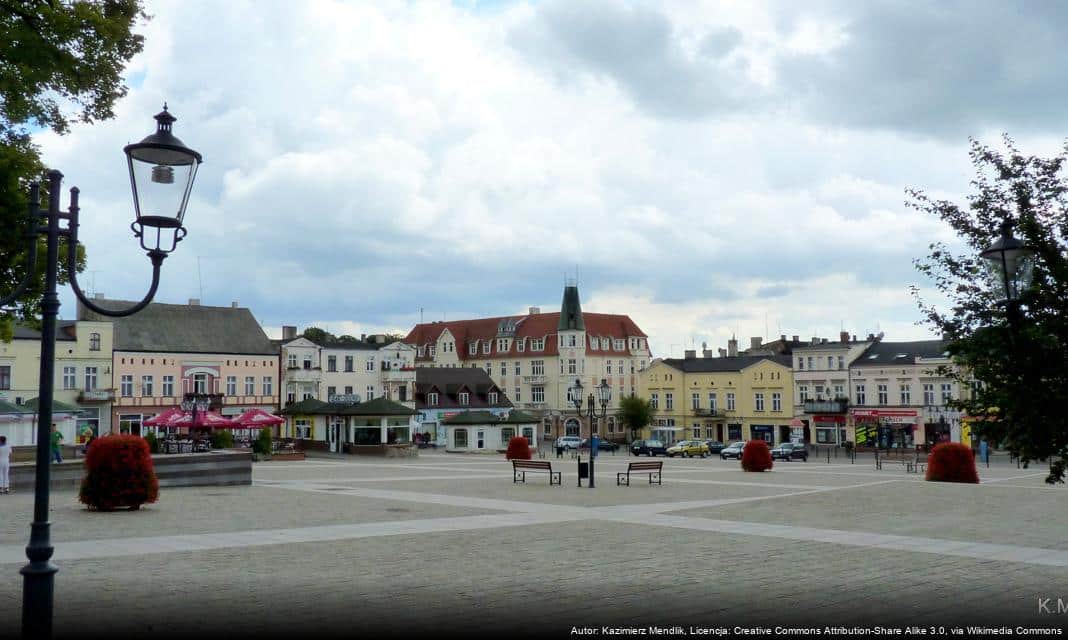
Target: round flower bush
x,y
756,456
119,473
952,462
518,449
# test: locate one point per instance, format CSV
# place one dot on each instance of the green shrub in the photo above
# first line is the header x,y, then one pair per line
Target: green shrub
x,y
262,445
222,439
153,442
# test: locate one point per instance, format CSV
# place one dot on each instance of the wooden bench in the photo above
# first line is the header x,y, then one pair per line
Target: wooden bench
x,y
651,467
521,467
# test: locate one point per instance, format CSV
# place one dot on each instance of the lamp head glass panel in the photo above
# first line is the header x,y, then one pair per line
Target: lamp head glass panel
x,y
576,393
162,170
1009,265
605,392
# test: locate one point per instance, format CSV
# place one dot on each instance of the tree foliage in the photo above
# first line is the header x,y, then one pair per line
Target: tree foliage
x,y
635,412
1020,367
60,62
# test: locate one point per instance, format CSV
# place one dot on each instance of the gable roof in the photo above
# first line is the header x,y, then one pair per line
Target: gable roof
x,y
376,407
65,330
183,328
898,353
717,365
450,382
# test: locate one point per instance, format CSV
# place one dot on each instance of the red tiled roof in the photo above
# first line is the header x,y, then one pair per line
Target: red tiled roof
x,y
536,326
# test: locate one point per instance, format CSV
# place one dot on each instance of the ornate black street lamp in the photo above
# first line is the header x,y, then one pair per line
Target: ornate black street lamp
x,y
162,170
195,403
1010,264
604,393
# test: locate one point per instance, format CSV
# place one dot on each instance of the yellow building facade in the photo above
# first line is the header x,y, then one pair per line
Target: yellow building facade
x,y
725,398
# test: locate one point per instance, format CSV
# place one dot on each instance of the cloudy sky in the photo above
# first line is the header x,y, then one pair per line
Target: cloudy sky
x,y
708,168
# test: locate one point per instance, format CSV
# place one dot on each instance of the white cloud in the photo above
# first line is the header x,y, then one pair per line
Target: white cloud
x,y
367,160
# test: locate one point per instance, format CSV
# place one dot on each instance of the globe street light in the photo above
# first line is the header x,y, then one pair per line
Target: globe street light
x,y
162,170
1010,265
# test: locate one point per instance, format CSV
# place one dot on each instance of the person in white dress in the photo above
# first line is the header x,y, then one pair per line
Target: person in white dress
x,y
5,465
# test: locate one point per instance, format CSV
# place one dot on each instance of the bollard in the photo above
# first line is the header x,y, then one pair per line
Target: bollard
x,y
828,456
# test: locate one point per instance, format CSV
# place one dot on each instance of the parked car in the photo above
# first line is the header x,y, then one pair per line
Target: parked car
x,y
688,449
715,446
648,447
602,444
733,450
568,442
790,451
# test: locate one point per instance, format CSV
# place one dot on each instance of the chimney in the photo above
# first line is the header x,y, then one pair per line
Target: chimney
x,y
99,296
690,354
854,337
194,302
782,338
754,343
815,340
363,337
796,338
233,304
844,336
707,353
732,347
722,352
871,337
535,310
289,332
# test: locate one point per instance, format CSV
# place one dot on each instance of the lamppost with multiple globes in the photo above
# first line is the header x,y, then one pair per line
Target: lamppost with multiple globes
x,y
604,392
162,170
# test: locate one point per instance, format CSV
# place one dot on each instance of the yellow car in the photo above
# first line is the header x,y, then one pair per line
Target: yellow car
x,y
688,448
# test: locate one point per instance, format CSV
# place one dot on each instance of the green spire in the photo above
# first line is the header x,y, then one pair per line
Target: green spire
x,y
571,311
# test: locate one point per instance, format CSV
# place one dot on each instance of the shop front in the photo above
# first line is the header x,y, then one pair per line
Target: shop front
x,y
886,428
764,432
830,429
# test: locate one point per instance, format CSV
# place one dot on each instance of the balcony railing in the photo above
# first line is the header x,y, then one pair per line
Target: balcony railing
x,y
397,374
534,379
535,405
711,413
826,406
97,395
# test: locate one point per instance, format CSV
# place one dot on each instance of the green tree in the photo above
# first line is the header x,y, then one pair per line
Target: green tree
x,y
635,413
319,336
60,62
1020,368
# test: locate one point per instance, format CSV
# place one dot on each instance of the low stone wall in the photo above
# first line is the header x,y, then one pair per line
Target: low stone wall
x,y
214,468
383,450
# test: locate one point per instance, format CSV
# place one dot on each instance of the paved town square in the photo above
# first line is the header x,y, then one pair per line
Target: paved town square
x,y
446,541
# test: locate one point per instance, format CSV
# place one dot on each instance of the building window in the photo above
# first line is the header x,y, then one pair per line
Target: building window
x,y
307,363
486,347
518,368
537,344
331,392
906,395
489,368
370,392
459,438
493,397
94,342
620,367
70,377
331,363
608,367
928,394
168,386
712,402
5,377
810,363
433,350
146,386
734,432
839,391
883,395
370,363
268,386
776,401
250,385
654,400
126,386
302,429
472,348
537,367
819,393
516,397
348,390
860,394
802,393
292,361
537,394
618,345
348,363
841,363
695,401
947,392
758,401
502,344
730,401
432,399
464,397
801,363
830,362
231,385
572,366
696,431
504,368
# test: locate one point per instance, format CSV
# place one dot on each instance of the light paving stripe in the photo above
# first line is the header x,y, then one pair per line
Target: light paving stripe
x,y
912,544
735,483
1029,475
89,549
275,483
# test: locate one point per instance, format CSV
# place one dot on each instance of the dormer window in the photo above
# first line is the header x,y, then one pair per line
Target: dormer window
x,y
422,350
521,344
433,350
493,397
464,398
619,344
572,342
502,344
486,347
472,348
432,399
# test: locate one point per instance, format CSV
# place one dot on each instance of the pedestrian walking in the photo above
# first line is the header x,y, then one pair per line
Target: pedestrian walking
x,y
57,439
5,465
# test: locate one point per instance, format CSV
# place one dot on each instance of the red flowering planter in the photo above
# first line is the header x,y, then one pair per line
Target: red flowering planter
x,y
952,462
756,456
119,473
518,449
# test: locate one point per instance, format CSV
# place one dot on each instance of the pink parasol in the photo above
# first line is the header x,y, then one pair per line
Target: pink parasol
x,y
165,419
205,419
257,418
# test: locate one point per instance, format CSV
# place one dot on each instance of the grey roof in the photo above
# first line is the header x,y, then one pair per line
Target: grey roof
x,y
57,406
186,328
894,353
570,311
831,345
64,331
376,407
8,408
713,365
450,381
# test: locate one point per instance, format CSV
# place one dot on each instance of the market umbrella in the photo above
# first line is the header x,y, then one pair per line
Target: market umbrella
x,y
204,420
256,418
166,418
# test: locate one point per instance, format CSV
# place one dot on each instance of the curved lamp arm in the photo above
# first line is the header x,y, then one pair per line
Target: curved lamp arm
x,y
31,236
155,256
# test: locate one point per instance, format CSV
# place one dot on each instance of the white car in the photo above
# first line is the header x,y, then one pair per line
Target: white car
x,y
569,442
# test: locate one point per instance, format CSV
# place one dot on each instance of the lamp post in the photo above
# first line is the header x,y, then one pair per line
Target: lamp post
x,y
1010,265
195,403
604,393
162,171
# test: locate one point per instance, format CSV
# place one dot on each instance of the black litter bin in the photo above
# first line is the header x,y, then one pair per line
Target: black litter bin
x,y
559,452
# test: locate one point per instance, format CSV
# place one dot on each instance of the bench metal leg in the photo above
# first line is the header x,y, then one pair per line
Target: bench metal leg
x,y
658,480
519,476
623,478
553,474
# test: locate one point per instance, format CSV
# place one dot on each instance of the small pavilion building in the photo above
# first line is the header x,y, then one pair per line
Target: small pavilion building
x,y
376,427
483,431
